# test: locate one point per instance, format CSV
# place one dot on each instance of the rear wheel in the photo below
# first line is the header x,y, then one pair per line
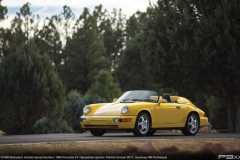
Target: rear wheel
x,y
192,125
97,132
142,125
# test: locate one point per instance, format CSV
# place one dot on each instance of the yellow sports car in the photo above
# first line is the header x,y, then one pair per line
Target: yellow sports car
x,y
142,112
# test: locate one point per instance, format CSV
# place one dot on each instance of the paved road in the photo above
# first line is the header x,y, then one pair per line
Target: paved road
x,y
39,138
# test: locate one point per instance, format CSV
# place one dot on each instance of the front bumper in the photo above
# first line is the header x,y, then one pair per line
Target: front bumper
x,y
107,122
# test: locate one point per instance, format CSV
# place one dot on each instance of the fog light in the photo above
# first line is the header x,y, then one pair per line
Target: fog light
x,y
82,119
116,120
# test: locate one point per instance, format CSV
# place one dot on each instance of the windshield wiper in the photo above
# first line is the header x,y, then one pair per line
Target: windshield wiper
x,y
145,100
137,100
129,100
134,100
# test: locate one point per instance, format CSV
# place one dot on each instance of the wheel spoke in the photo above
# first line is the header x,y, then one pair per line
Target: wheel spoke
x,y
146,121
192,119
192,128
143,124
142,129
192,124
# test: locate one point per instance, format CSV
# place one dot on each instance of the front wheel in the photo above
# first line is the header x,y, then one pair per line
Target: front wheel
x,y
151,132
192,125
142,125
97,132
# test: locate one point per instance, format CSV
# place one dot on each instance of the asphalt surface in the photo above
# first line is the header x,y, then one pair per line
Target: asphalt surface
x,y
41,138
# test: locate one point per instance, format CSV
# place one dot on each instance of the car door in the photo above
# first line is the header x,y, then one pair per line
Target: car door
x,y
169,114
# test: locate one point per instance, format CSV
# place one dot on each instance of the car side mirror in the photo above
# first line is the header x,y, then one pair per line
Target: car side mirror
x,y
162,101
114,99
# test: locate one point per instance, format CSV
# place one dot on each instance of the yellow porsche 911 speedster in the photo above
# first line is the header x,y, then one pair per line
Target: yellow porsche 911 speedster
x,y
142,112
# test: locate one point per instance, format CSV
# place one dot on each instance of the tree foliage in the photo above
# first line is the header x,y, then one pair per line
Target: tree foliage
x,y
194,46
48,40
217,115
46,125
130,72
104,87
73,110
30,89
23,27
3,11
84,55
67,15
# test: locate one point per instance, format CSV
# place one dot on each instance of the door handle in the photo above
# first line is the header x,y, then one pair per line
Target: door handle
x,y
178,107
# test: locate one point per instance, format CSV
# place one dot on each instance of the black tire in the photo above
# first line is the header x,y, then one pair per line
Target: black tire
x,y
97,132
151,132
192,125
142,125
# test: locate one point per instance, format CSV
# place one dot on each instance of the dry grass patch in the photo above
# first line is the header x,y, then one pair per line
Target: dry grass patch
x,y
2,133
113,147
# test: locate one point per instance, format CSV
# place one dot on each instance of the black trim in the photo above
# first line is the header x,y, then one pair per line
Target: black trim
x,y
127,129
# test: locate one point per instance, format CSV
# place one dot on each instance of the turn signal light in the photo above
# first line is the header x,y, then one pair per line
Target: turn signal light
x,y
204,115
122,120
127,120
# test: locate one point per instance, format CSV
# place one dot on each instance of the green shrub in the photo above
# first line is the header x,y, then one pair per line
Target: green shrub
x,y
73,110
45,125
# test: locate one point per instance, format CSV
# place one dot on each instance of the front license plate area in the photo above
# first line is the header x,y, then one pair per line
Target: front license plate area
x,y
98,122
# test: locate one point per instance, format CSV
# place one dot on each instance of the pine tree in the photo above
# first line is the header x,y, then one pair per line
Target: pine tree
x,y
104,87
111,25
130,73
23,27
30,90
84,55
3,11
48,39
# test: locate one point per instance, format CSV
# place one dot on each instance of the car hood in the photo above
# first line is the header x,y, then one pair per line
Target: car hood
x,y
110,109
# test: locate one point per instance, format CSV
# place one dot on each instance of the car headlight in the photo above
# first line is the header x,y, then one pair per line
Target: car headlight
x,y
86,109
124,109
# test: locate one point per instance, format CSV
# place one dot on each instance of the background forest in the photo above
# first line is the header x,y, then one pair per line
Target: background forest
x,y
49,72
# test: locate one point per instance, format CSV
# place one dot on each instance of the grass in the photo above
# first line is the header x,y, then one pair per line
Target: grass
x,y
99,147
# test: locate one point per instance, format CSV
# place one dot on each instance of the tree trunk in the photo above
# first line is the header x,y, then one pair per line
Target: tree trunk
x,y
237,119
231,117
25,130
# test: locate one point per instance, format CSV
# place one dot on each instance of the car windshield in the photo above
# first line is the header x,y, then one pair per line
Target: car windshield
x,y
139,95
